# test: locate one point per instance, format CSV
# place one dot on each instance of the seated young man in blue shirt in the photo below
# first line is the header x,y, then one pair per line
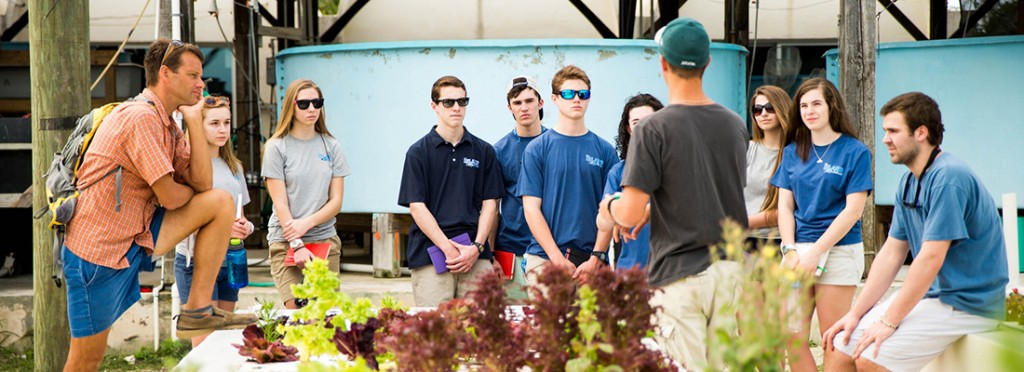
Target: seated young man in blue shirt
x,y
451,183
563,177
947,220
512,233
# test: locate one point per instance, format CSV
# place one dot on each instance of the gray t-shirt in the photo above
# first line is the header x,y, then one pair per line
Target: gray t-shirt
x,y
760,160
306,167
692,161
224,179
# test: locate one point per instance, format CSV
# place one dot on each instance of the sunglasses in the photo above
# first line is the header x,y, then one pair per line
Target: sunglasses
x,y
304,103
906,184
759,109
175,44
449,102
216,101
570,93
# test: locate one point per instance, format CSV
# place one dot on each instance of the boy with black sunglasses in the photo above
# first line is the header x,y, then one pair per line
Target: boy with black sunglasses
x,y
950,225
563,177
451,184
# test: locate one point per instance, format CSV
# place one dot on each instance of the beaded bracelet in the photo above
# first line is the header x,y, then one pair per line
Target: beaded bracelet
x,y
885,323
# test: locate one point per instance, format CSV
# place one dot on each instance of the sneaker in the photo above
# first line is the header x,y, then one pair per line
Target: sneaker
x,y
189,327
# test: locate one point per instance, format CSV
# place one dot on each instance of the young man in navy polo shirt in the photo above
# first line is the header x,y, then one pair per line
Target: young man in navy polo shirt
x,y
563,177
513,234
451,183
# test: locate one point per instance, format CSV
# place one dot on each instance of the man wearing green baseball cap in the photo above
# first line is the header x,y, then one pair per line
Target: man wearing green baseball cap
x,y
689,161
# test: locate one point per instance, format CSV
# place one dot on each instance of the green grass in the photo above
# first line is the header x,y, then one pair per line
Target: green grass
x,y
146,359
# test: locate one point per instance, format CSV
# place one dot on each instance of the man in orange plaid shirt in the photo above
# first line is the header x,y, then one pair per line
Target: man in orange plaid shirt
x,y
164,197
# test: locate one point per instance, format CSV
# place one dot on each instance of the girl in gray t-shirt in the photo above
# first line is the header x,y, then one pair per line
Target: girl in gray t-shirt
x,y
769,109
305,168
227,176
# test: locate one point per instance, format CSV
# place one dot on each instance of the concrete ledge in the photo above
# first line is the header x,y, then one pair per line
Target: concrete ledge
x,y
991,351
136,327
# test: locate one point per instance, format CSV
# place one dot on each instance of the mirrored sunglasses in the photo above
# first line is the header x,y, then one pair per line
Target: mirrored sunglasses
x,y
304,103
216,101
570,93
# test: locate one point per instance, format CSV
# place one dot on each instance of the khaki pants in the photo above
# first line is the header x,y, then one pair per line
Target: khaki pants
x,y
430,289
285,276
691,311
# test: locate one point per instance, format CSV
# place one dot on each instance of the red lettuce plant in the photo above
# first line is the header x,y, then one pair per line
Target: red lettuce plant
x,y
427,341
499,343
554,319
256,347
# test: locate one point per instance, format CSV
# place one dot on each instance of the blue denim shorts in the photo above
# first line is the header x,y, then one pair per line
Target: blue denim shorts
x,y
98,295
222,291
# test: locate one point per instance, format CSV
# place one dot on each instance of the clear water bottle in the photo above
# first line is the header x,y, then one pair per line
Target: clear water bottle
x,y
238,270
794,312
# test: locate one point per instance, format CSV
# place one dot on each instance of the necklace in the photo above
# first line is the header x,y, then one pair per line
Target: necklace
x,y
822,154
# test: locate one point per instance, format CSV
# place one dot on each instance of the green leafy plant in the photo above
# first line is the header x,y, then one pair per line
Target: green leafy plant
x,y
764,287
308,329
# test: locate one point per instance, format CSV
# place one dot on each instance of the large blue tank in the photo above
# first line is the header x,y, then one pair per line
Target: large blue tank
x,y
378,94
979,86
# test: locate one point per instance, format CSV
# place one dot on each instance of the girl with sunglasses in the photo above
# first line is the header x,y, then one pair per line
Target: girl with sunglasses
x,y
823,180
635,246
305,169
227,176
769,108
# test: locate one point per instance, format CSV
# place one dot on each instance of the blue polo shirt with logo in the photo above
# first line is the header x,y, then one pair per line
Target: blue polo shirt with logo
x,y
820,189
513,232
568,174
452,180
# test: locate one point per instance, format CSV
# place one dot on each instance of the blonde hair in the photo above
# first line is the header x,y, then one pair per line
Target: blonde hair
x,y
226,152
285,123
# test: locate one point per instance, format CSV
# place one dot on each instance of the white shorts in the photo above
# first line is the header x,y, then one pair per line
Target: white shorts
x,y
844,266
924,334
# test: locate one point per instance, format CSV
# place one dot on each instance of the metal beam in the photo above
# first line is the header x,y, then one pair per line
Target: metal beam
x,y
627,18
937,16
596,22
269,17
669,11
895,12
339,24
972,20
15,28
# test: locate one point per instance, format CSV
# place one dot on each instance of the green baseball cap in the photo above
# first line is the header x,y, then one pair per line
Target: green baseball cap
x,y
684,43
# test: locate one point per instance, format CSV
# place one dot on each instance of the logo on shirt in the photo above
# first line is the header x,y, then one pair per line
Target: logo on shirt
x,y
833,169
472,163
324,157
594,161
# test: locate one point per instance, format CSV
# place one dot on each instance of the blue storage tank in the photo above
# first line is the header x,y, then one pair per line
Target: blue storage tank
x,y
979,85
378,94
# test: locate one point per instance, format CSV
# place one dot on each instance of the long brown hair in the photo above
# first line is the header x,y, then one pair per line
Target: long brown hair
x,y
780,100
284,124
639,100
838,118
226,152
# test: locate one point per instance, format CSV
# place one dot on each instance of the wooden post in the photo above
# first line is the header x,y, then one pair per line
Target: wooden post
x,y
388,229
857,46
59,71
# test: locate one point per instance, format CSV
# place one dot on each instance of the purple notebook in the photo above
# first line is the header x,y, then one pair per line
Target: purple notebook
x,y
437,256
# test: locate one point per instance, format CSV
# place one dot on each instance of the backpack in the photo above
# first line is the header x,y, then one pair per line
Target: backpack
x,y
61,179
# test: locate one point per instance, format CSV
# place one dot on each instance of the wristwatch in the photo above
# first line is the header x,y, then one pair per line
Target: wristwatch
x,y
479,246
786,248
601,256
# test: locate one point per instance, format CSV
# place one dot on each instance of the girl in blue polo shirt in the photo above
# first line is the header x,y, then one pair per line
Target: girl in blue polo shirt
x,y
823,182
